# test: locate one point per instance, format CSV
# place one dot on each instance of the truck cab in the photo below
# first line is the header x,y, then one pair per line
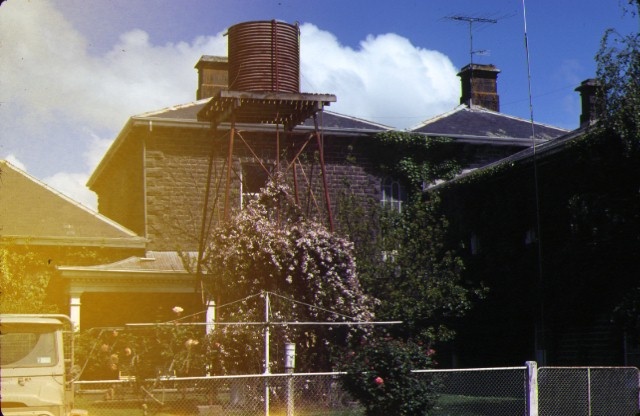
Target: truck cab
x,y
33,368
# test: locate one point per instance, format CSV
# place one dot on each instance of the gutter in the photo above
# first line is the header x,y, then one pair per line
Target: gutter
x,y
138,121
494,140
251,127
114,242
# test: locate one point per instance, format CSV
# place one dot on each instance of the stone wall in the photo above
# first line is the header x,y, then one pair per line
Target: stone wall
x,y
121,188
175,170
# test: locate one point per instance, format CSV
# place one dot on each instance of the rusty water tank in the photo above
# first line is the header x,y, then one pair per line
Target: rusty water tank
x,y
264,56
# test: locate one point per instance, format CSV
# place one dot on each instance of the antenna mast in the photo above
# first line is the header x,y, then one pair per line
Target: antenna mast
x,y
471,20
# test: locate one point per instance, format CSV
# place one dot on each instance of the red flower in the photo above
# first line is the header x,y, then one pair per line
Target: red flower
x,y
379,381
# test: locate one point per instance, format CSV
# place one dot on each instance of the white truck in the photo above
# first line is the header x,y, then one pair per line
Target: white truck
x,y
35,366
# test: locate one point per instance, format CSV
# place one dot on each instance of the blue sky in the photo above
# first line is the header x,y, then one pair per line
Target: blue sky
x,y
73,71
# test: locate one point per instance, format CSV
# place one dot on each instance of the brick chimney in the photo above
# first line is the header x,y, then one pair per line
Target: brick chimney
x,y
591,110
480,86
213,75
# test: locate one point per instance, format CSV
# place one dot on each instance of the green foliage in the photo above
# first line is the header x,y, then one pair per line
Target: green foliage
x,y
29,280
413,158
618,72
168,349
417,278
25,276
271,247
379,375
627,312
403,259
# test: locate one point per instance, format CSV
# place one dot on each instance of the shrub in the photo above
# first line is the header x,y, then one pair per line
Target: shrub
x,y
379,375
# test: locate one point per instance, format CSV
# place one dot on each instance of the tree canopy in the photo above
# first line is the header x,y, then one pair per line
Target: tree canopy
x,y
618,72
404,258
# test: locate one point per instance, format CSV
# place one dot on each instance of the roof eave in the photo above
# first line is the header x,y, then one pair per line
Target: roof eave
x,y
253,127
493,140
521,158
111,242
110,153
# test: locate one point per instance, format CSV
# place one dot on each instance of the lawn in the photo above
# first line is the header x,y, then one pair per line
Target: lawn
x,y
459,405
189,407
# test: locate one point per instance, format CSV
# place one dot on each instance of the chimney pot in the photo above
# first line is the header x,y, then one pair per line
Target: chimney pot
x,y
591,110
480,86
213,75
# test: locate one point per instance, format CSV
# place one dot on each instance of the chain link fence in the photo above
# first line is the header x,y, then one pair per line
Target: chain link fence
x,y
574,391
586,391
299,394
459,392
475,392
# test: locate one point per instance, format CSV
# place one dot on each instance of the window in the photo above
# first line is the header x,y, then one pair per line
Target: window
x,y
34,347
530,237
254,178
393,194
474,244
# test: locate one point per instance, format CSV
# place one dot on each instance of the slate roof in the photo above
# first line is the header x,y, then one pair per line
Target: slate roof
x,y
476,122
327,119
523,157
32,212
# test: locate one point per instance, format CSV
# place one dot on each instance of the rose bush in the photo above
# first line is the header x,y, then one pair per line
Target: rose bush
x,y
379,375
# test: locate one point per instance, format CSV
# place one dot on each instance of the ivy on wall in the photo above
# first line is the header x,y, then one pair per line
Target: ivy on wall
x,y
413,158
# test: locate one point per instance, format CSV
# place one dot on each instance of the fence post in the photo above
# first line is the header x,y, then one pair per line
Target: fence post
x,y
532,388
289,366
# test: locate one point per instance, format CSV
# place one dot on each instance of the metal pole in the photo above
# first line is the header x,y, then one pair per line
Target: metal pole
x,y
227,191
327,199
589,388
205,213
266,353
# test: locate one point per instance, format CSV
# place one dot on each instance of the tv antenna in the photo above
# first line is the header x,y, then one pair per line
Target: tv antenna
x,y
471,20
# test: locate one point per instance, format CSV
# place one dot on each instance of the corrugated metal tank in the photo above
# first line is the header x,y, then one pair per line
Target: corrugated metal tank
x,y
264,56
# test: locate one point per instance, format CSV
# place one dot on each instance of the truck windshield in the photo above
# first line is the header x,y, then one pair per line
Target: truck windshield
x,y
33,346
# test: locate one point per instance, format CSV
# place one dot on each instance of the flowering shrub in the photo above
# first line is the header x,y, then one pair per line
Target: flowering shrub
x,y
378,375
168,349
271,246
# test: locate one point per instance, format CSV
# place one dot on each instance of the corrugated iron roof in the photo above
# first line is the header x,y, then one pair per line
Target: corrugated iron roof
x,y
153,261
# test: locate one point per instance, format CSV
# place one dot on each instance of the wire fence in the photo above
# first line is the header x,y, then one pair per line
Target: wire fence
x,y
586,391
574,391
304,394
484,391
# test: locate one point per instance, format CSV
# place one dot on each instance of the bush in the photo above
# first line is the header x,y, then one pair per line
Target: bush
x,y
378,375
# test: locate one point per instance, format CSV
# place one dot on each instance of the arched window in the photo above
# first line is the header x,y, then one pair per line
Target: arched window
x,y
393,194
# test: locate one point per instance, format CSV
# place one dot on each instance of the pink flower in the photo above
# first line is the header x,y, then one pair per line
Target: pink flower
x,y
379,381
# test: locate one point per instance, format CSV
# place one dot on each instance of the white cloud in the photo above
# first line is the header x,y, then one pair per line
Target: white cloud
x,y
97,149
48,71
55,95
73,186
62,106
15,162
387,79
